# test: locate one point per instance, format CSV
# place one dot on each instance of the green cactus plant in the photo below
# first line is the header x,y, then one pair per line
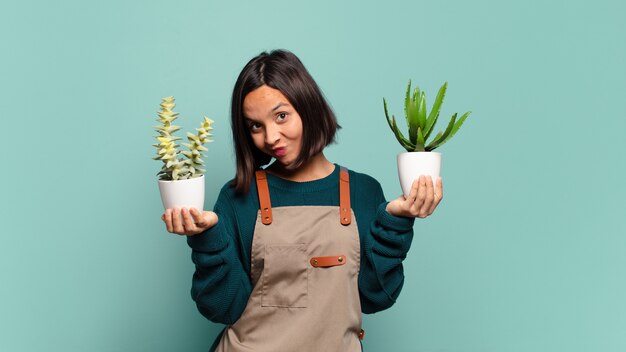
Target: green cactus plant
x,y
174,166
421,124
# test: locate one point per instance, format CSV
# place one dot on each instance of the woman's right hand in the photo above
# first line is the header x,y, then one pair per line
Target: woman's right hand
x,y
185,225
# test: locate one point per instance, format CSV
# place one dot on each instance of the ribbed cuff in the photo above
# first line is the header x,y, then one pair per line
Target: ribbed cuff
x,y
397,223
211,240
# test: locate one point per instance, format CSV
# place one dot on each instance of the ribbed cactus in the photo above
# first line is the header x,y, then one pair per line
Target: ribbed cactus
x,y
174,167
420,124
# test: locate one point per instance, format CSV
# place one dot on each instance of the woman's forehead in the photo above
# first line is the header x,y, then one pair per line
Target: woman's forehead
x,y
264,101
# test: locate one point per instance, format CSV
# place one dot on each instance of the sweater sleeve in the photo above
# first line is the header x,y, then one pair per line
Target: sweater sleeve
x,y
220,286
386,244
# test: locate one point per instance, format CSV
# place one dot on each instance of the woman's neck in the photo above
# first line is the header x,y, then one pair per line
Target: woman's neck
x,y
314,169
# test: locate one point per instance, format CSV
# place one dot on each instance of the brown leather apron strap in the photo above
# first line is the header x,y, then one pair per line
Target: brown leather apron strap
x,y
264,197
345,213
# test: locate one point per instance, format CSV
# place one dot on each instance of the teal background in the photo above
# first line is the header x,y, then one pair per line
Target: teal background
x,y
525,253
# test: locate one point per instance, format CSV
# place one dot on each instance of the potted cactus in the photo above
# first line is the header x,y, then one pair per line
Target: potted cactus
x,y
181,179
420,158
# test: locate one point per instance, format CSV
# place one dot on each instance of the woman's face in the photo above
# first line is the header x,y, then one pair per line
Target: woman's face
x,y
274,124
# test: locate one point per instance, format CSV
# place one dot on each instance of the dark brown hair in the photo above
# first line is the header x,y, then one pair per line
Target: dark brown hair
x,y
281,70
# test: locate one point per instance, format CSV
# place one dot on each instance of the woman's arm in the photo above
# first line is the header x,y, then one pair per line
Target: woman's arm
x,y
385,243
220,286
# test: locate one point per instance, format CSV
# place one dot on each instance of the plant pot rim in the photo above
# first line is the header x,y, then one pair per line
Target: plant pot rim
x,y
420,153
189,179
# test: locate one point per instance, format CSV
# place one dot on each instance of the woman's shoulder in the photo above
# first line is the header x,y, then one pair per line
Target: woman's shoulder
x,y
362,179
366,190
228,193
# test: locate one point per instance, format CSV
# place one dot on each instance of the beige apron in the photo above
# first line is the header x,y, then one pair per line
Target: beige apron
x,y
304,268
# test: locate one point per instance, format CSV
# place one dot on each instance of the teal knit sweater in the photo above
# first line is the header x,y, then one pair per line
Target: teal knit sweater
x,y
221,284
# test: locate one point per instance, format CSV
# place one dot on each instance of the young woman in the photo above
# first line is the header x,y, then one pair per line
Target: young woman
x,y
294,252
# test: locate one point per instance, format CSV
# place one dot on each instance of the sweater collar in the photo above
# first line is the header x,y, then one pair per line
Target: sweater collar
x,y
329,181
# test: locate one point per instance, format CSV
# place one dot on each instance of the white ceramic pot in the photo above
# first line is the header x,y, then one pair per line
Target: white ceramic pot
x,y
183,193
413,164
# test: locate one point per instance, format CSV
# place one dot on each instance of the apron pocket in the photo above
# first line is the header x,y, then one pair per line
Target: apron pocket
x,y
285,280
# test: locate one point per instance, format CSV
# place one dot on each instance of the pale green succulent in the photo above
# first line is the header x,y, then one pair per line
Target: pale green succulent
x,y
194,164
176,167
421,124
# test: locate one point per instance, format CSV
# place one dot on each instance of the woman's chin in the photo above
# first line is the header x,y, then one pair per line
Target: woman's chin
x,y
287,164
283,164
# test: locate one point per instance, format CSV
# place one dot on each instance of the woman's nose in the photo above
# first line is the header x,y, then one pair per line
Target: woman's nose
x,y
272,134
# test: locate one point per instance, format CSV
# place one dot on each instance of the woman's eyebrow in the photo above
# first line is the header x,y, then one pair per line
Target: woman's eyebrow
x,y
279,105
282,103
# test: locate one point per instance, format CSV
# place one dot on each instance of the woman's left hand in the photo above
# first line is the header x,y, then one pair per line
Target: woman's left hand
x,y
422,200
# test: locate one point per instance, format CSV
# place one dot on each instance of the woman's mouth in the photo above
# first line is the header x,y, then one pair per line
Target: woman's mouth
x,y
280,151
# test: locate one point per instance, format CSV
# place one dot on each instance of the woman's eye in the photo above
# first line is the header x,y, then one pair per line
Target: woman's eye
x,y
255,127
281,117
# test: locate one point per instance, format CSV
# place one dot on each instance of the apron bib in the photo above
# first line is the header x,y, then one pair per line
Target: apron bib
x,y
304,269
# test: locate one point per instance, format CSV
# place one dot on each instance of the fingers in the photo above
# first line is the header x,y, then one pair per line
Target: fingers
x,y
424,197
428,198
203,220
189,226
188,222
414,202
438,195
413,192
197,217
177,224
417,206
167,217
178,221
